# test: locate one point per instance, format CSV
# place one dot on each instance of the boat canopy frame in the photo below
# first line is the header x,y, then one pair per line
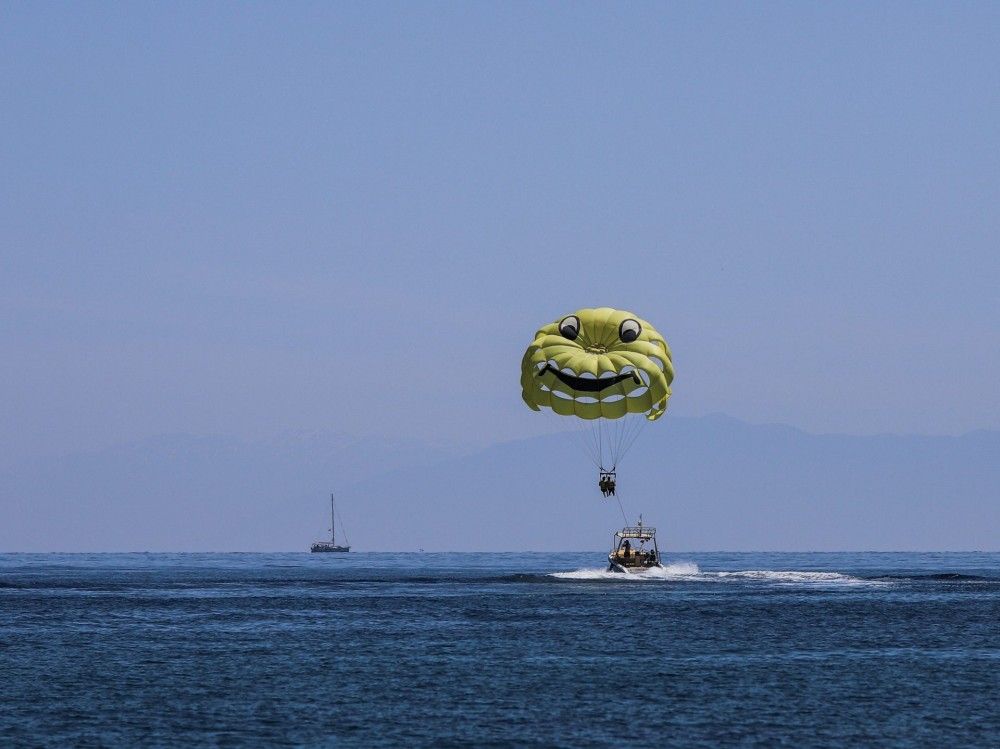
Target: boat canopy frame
x,y
640,532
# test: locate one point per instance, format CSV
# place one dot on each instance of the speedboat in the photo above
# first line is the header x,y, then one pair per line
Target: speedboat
x,y
634,549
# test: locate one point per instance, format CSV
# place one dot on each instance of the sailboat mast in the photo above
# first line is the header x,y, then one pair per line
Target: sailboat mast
x,y
333,523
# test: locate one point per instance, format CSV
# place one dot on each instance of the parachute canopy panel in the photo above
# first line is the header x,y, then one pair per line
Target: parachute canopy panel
x,y
598,363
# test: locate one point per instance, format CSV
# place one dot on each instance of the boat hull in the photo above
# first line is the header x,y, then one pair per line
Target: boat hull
x,y
615,565
326,546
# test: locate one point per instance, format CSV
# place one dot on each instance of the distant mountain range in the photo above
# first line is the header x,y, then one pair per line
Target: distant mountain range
x,y
709,483
192,493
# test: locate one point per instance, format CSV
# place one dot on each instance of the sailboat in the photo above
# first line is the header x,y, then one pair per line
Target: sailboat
x,y
332,544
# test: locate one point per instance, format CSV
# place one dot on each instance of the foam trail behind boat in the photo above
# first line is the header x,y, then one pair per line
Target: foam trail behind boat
x,y
688,571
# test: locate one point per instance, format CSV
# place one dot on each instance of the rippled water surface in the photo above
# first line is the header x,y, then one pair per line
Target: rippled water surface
x,y
354,649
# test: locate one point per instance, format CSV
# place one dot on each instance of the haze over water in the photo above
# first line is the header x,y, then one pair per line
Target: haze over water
x,y
808,650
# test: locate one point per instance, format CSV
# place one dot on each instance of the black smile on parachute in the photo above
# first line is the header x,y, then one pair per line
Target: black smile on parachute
x,y
588,385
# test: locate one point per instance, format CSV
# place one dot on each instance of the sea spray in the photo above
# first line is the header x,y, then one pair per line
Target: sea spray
x,y
671,571
690,572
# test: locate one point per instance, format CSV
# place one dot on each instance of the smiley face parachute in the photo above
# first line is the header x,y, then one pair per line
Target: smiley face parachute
x,y
605,368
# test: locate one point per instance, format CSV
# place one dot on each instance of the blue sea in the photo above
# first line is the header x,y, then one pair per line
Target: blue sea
x,y
359,649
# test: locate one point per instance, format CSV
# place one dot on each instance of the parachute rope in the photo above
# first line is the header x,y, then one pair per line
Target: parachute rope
x,y
611,440
600,445
620,507
588,440
633,436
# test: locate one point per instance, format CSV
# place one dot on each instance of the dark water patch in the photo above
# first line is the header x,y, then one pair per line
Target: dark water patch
x,y
940,577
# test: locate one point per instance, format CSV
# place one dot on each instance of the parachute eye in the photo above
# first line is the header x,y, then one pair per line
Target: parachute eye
x,y
570,327
629,330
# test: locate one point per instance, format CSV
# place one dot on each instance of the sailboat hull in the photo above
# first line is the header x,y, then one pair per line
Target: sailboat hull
x,y
328,546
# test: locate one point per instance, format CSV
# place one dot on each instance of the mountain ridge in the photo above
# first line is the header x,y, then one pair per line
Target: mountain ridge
x,y
707,482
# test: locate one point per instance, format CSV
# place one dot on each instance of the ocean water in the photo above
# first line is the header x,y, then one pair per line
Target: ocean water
x,y
792,650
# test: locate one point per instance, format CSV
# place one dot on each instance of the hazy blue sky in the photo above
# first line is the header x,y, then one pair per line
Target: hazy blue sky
x,y
242,219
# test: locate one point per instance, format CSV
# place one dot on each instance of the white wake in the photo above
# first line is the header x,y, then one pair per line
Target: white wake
x,y
673,571
794,577
688,571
